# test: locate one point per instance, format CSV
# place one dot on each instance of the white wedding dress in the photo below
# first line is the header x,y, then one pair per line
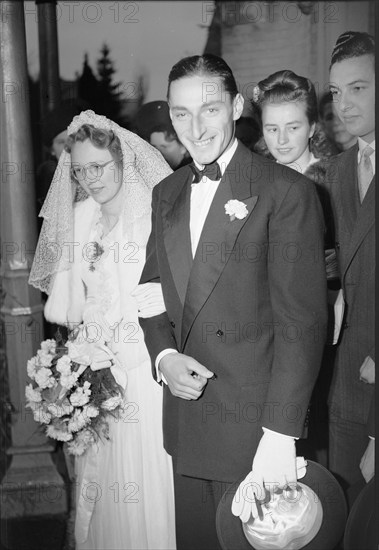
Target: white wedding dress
x,y
124,485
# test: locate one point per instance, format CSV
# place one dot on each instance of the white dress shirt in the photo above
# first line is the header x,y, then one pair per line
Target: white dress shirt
x,y
202,195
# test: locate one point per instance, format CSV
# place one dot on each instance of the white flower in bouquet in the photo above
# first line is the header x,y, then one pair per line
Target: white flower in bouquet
x,y
32,394
64,365
59,432
91,411
41,415
81,395
82,441
32,367
44,359
77,421
68,381
59,410
112,403
49,346
44,378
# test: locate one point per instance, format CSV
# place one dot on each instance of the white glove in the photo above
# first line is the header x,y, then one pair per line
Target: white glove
x,y
97,328
101,357
274,467
150,301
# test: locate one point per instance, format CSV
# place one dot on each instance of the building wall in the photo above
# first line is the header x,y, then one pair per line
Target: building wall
x,y
259,38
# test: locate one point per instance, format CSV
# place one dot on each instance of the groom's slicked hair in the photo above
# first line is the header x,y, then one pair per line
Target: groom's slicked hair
x,y
352,44
204,65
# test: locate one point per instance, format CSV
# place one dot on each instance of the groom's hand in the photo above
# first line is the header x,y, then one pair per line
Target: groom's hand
x,y
185,376
274,467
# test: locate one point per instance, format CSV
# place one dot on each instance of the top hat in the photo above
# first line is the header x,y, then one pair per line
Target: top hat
x,y
324,527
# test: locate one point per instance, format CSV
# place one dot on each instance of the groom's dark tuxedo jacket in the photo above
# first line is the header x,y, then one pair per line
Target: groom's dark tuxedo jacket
x,y
251,307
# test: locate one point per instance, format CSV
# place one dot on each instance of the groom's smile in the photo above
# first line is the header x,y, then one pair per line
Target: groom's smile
x,y
204,115
203,143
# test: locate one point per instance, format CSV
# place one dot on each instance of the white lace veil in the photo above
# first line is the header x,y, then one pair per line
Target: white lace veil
x,y
143,168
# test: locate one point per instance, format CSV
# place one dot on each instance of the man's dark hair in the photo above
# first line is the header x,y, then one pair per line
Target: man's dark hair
x,y
204,65
352,44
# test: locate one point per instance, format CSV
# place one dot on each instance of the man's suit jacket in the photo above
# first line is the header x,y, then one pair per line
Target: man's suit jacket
x,y
350,398
251,307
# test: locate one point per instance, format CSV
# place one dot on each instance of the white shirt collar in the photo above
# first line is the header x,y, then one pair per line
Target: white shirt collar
x,y
224,159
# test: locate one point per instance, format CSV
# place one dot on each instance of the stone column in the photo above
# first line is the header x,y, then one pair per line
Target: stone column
x,y
32,485
50,92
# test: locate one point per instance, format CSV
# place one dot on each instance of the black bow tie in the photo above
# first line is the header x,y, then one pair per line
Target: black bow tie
x,y
211,171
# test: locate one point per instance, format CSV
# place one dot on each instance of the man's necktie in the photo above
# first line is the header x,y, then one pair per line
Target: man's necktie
x,y
211,171
365,172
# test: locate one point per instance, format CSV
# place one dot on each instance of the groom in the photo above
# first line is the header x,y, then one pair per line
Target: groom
x,y
237,246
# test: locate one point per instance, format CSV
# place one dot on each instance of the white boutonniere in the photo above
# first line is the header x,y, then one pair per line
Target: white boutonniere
x,y
236,209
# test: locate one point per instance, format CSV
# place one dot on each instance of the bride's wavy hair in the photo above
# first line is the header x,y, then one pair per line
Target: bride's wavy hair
x,y
103,139
286,86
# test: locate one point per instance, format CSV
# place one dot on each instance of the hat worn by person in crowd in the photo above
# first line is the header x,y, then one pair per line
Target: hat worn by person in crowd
x,y
310,517
361,528
151,116
153,124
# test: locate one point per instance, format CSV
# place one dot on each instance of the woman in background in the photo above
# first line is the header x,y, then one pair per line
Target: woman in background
x,y
288,107
289,115
124,483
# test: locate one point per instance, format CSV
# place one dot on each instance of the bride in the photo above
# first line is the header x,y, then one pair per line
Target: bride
x,y
89,259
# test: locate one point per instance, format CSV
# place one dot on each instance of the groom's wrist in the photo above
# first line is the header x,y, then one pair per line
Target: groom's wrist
x,y
159,375
267,430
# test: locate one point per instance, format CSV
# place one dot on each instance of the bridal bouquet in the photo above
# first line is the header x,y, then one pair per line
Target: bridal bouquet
x,y
67,397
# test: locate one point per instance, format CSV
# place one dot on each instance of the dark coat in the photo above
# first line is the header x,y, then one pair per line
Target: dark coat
x,y
350,398
251,307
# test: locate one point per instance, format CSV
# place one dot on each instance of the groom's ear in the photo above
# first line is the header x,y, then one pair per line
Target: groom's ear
x,y
238,103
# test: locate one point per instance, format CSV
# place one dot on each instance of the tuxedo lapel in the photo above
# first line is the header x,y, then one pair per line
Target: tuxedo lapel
x,y
218,236
176,229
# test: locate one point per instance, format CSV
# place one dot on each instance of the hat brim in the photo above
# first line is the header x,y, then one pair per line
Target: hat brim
x,y
326,487
361,529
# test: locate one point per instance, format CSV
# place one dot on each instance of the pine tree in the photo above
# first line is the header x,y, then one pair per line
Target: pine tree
x,y
109,94
88,86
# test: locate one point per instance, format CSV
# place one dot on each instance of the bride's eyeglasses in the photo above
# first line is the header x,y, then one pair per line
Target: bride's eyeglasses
x,y
92,171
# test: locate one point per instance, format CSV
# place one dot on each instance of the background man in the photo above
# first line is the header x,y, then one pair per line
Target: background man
x,y
153,124
351,180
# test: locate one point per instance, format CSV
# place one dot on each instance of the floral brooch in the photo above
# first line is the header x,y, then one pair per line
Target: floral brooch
x,y
236,209
94,251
